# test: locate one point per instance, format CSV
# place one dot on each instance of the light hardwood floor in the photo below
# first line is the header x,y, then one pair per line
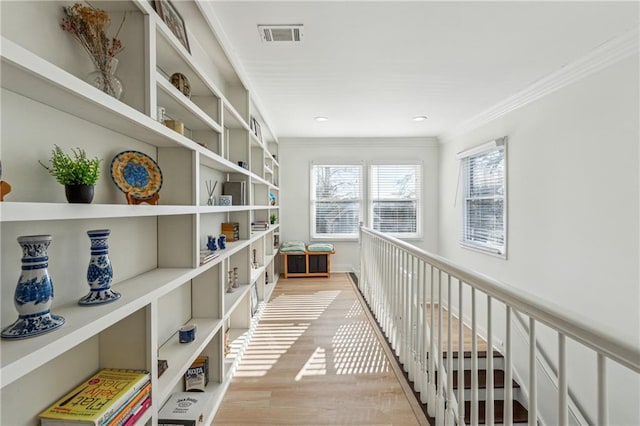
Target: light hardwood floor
x,y
315,360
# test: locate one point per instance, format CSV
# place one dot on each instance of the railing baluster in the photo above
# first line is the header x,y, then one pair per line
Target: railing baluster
x,y
563,412
431,404
508,378
603,415
533,393
441,372
401,311
420,327
416,319
424,396
474,360
394,300
489,408
406,314
411,343
450,397
460,354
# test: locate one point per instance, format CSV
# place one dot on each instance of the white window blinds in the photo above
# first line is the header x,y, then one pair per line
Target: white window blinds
x,y
484,174
336,200
394,199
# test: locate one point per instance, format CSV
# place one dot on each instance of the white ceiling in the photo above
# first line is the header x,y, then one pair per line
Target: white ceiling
x,y
372,66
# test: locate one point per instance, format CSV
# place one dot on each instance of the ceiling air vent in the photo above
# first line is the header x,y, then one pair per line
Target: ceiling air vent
x,y
281,33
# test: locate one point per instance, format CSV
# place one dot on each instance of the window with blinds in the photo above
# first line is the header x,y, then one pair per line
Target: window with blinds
x,y
394,199
336,201
484,224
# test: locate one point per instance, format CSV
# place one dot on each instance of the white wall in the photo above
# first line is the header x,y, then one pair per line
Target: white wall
x,y
573,214
296,156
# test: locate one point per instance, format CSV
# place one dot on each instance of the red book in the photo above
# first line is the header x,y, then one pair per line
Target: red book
x,y
138,413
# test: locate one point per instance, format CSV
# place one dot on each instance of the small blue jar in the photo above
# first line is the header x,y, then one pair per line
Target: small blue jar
x,y
211,243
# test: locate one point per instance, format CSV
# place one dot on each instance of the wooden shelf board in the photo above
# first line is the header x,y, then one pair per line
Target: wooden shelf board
x,y
231,300
20,357
181,355
30,211
255,273
31,76
182,108
233,119
171,55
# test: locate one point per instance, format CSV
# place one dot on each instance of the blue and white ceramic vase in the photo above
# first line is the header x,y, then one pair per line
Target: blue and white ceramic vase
x,y
34,292
99,273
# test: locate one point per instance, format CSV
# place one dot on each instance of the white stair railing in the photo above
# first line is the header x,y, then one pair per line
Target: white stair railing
x,y
405,288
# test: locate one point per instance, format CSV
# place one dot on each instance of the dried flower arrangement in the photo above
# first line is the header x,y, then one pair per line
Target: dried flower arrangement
x,y
88,25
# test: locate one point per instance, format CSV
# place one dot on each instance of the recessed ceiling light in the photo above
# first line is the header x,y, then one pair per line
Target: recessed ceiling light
x,y
419,118
321,118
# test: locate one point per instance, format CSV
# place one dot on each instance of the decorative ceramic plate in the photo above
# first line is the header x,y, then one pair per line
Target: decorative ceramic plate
x,y
136,174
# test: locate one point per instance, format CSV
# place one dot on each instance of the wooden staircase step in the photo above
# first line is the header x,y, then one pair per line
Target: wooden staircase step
x,y
467,354
498,379
520,414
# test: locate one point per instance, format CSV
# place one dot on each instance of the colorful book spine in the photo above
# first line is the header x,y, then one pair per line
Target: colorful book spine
x,y
129,406
97,398
135,416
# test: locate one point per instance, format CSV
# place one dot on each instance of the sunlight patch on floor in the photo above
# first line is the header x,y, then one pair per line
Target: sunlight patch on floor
x,y
357,351
284,320
355,311
315,366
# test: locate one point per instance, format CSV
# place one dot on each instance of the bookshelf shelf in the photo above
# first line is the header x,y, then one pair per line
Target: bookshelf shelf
x,y
231,300
26,211
183,354
154,249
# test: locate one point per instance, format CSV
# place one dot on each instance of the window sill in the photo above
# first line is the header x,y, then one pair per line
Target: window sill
x,y
337,239
483,249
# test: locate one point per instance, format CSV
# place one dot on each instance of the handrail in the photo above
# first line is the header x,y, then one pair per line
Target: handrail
x,y
603,341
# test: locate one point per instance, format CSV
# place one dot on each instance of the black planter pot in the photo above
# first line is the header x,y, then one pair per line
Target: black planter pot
x,y
79,193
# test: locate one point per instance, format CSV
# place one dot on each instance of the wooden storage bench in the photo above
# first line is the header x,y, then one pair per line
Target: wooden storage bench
x,y
307,264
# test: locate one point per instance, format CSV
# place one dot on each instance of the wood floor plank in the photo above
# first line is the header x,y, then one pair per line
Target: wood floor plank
x,y
315,359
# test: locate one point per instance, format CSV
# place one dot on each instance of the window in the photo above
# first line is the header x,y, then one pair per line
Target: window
x,y
336,201
394,199
484,170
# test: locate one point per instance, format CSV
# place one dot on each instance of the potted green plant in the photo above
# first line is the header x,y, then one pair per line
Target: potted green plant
x,y
273,218
76,172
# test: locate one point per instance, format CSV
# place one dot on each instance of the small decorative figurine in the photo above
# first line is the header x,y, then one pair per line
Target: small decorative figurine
x,y
236,284
230,282
222,241
211,243
254,264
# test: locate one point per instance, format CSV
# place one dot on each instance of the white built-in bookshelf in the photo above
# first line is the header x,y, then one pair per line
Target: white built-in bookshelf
x,y
154,250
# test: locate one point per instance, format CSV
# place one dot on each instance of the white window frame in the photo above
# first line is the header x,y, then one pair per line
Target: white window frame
x,y
497,144
312,192
419,198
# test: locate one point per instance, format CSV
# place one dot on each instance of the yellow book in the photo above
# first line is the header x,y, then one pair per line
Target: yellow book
x,y
96,399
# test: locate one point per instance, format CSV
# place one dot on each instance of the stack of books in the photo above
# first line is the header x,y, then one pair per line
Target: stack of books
x,y
109,397
231,230
259,225
207,256
183,408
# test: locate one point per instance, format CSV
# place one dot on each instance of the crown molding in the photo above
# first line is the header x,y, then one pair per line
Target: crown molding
x,y
395,142
601,57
